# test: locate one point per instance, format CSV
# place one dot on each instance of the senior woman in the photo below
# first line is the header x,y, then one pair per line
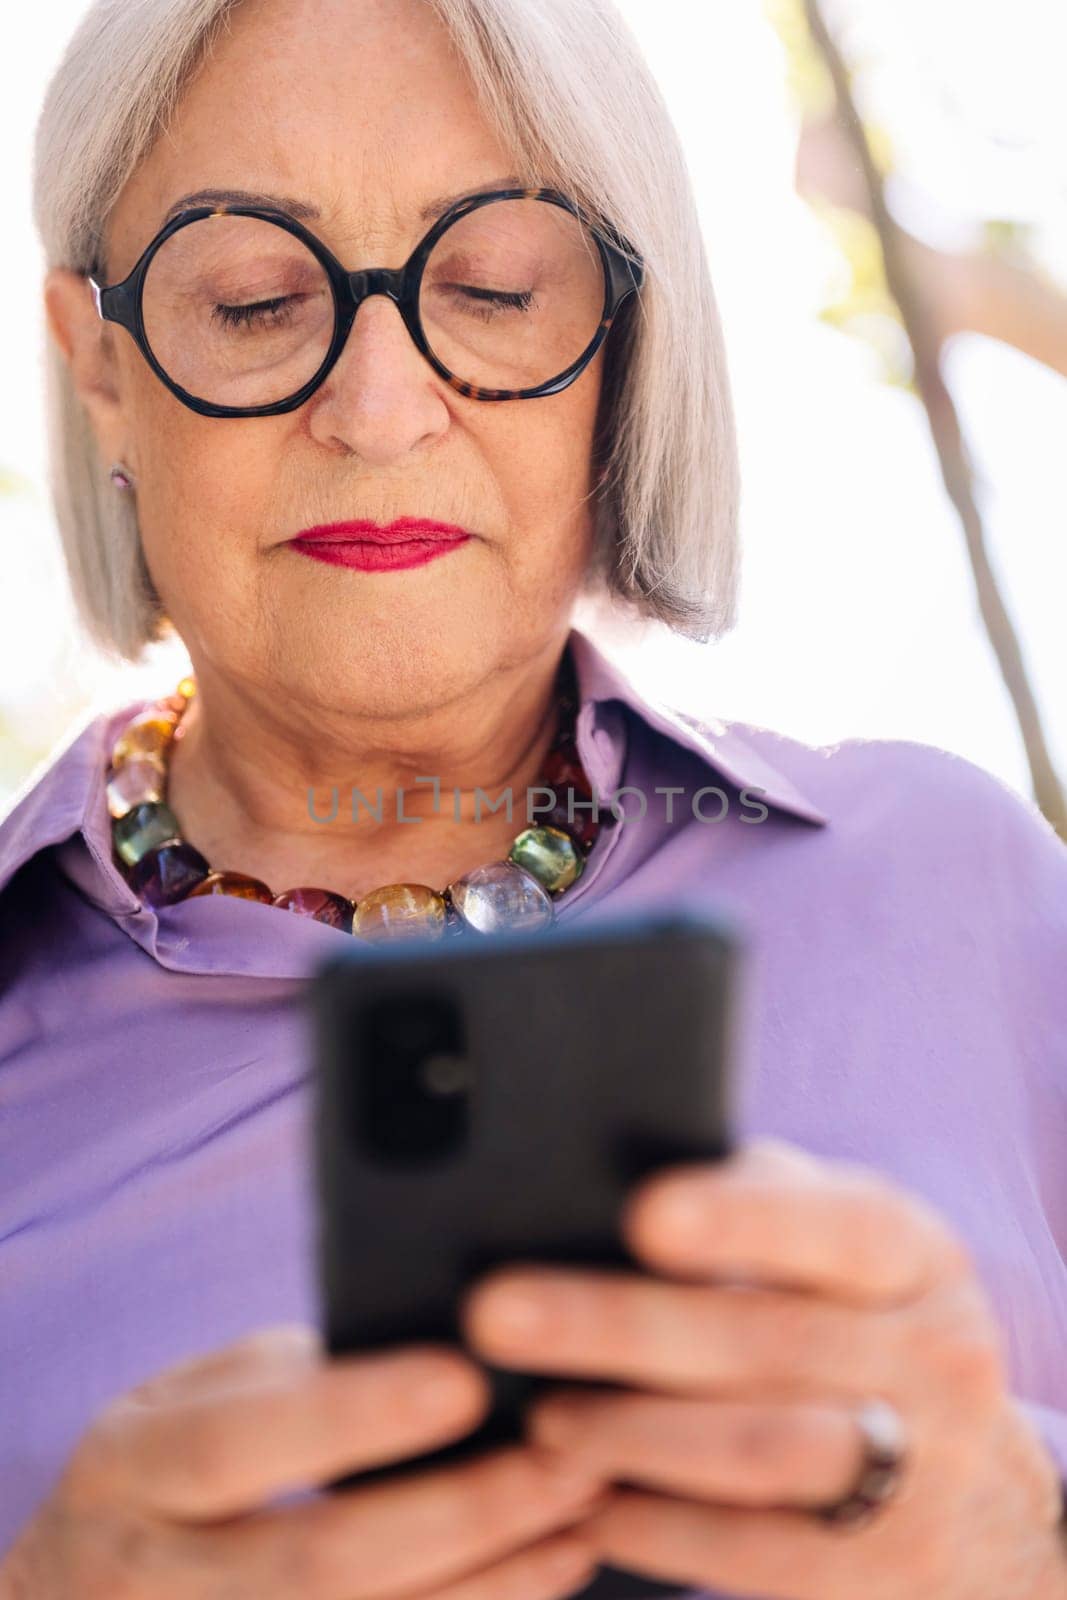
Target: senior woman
x,y
381,331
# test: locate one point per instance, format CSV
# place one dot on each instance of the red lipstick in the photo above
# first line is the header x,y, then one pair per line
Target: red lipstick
x,y
408,542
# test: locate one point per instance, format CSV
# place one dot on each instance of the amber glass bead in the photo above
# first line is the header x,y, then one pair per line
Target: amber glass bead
x,y
499,896
187,688
400,911
168,873
142,829
147,734
238,884
550,855
139,780
322,905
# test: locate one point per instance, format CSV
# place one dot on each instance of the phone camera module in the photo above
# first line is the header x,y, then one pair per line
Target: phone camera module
x,y
446,1074
415,1082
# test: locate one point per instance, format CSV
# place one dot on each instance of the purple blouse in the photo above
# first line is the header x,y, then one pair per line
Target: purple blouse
x,y
905,1005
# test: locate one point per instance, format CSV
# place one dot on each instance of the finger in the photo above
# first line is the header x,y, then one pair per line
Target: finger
x,y
280,1421
243,1361
773,1214
741,1550
692,1338
554,1567
737,1452
421,1531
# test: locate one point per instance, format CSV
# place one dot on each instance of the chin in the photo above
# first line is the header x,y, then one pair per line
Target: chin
x,y
397,665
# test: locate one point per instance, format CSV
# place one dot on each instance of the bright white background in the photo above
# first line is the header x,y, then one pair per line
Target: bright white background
x,y
858,617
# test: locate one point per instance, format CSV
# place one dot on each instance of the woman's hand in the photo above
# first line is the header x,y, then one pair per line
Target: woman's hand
x,y
736,1418
165,1495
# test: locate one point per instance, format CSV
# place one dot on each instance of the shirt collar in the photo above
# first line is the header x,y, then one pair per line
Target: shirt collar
x,y
65,795
722,745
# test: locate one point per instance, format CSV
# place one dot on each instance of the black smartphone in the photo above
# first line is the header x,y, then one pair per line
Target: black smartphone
x,y
493,1099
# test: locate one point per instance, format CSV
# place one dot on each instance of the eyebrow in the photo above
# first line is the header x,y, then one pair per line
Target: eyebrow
x,y
437,208
304,211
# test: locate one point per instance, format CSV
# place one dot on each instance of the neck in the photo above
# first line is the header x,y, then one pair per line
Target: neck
x,y
336,802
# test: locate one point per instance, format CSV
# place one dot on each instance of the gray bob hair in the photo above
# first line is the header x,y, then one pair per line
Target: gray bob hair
x,y
565,86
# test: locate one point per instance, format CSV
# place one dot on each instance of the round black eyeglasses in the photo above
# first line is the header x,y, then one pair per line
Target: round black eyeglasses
x,y
242,311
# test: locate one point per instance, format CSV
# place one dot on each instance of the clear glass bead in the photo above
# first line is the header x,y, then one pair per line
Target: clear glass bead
x,y
140,780
501,896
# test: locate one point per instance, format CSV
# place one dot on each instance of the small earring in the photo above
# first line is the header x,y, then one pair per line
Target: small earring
x,y
120,476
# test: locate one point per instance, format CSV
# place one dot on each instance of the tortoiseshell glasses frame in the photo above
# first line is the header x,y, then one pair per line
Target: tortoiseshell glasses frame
x,y
623,276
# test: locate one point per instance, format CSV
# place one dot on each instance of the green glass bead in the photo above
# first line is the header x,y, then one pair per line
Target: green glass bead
x,y
141,829
549,855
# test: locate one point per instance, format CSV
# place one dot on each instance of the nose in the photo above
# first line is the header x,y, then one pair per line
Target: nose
x,y
379,399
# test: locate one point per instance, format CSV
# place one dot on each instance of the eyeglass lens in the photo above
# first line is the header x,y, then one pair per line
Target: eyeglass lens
x,y
239,312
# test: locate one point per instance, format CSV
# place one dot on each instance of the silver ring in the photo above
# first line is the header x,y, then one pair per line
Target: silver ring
x,y
884,1460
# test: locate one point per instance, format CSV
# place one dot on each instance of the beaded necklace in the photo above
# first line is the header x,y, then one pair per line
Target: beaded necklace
x,y
519,891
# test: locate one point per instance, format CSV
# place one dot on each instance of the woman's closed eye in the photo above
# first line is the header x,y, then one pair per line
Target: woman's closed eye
x,y
277,312
264,313
486,303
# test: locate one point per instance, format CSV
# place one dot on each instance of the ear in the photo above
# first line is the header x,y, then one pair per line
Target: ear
x,y
86,344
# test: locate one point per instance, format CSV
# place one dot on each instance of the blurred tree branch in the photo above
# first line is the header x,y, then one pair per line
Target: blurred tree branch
x,y
959,293
980,291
